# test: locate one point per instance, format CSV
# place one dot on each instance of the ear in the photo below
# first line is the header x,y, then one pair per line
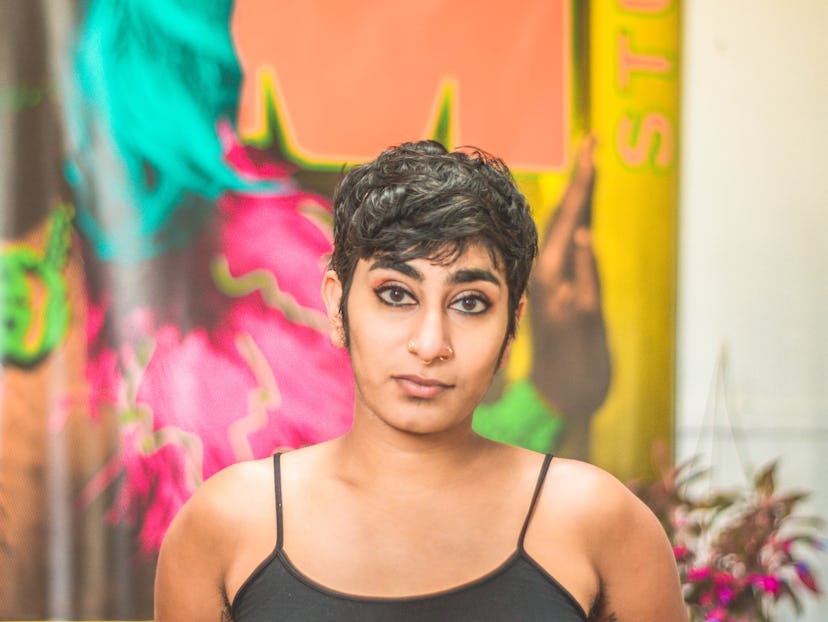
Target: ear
x,y
519,311
332,295
507,351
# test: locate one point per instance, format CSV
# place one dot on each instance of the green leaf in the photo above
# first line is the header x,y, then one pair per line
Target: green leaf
x,y
814,522
764,481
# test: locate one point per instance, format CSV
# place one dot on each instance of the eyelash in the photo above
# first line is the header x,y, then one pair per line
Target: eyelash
x,y
393,288
476,298
381,293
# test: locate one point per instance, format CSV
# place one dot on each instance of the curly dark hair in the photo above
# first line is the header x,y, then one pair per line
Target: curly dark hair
x,y
418,200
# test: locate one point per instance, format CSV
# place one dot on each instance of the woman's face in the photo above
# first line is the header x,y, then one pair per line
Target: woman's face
x,y
425,339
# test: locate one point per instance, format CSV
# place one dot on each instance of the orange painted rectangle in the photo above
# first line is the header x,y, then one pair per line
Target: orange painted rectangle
x,y
350,79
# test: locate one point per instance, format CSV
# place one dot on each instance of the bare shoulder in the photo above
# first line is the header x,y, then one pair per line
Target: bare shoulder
x,y
605,516
619,560
598,499
228,498
203,543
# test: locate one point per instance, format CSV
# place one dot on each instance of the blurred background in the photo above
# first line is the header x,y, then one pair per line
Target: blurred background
x,y
752,349
165,181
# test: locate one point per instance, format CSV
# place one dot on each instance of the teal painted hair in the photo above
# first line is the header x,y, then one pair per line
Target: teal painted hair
x,y
149,82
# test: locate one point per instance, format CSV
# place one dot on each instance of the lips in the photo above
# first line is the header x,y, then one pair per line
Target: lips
x,y
417,386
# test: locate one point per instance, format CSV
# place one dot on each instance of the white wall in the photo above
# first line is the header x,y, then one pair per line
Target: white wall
x,y
753,259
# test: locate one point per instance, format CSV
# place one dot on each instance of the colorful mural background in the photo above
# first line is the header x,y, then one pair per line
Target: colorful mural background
x,y
166,175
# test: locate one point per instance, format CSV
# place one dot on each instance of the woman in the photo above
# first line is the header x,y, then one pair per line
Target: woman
x,y
410,515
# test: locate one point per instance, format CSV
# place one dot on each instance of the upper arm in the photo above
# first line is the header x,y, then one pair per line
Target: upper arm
x,y
189,580
637,569
605,546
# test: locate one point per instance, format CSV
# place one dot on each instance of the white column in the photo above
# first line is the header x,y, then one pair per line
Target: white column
x,y
753,260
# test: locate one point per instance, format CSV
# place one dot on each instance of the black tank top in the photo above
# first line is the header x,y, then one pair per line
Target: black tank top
x,y
517,590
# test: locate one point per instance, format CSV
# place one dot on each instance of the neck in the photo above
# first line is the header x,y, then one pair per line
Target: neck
x,y
368,457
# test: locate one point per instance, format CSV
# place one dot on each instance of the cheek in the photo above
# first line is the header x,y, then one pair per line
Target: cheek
x,y
371,343
482,353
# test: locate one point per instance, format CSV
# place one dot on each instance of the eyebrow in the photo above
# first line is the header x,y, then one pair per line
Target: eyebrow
x,y
399,266
468,275
474,274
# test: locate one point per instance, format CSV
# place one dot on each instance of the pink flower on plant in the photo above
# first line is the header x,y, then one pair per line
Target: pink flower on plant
x,y
719,614
678,519
804,574
724,595
724,579
694,575
680,552
766,582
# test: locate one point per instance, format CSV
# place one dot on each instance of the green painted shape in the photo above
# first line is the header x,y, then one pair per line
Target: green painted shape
x,y
19,266
443,131
520,417
275,132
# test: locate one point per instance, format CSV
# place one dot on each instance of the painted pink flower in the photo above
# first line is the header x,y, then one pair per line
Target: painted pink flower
x,y
263,377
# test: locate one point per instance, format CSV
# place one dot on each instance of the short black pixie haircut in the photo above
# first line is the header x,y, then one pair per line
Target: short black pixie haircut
x,y
418,200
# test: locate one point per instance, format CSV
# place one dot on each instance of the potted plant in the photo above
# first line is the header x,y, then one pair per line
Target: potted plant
x,y
739,551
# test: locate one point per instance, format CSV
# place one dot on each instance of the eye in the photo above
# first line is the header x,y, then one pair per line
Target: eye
x,y
395,296
471,303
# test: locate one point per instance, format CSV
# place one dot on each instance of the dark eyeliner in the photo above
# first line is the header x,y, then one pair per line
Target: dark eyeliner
x,y
378,291
484,300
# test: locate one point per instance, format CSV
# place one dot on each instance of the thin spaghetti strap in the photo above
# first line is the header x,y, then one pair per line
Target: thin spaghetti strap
x,y
277,485
541,477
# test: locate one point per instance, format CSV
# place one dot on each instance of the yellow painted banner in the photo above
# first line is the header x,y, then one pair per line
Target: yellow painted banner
x,y
634,98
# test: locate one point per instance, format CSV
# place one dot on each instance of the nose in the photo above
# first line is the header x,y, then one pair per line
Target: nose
x,y
430,338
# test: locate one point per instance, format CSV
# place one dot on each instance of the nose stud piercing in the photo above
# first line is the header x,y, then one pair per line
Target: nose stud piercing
x,y
412,347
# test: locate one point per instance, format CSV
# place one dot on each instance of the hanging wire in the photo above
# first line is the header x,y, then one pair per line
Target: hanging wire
x,y
720,415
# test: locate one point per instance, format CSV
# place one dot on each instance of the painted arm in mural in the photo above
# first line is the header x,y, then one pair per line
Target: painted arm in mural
x,y
571,367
